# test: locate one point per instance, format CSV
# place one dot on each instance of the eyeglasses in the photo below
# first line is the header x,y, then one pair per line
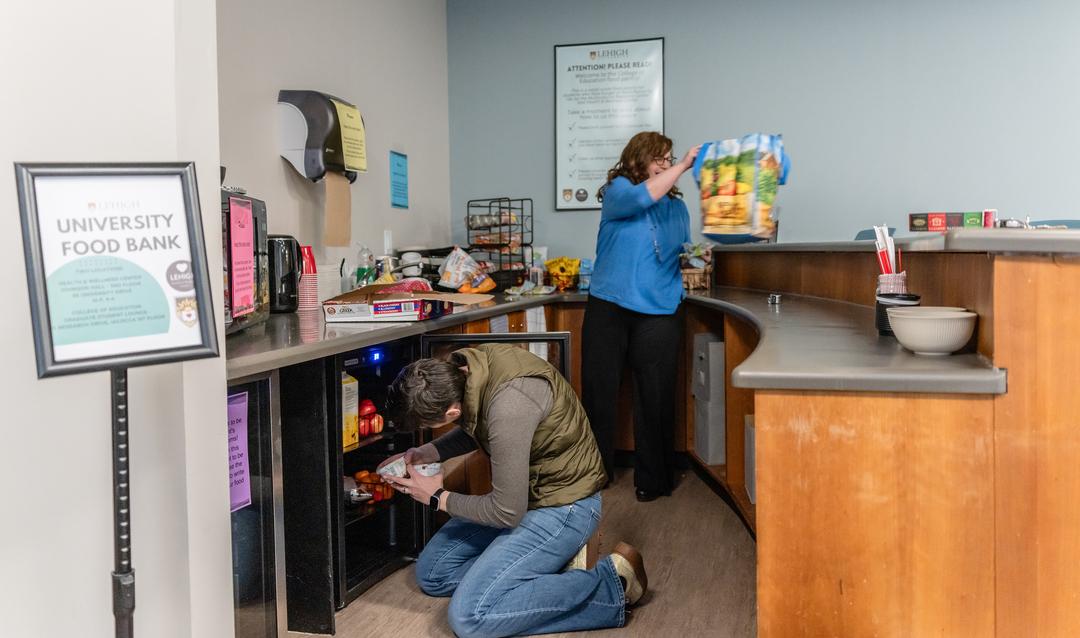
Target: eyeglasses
x,y
670,159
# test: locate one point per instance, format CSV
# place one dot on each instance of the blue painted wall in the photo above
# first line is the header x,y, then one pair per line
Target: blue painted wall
x,y
886,107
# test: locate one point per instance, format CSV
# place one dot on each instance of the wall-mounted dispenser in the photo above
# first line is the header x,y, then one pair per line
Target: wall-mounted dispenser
x,y
320,133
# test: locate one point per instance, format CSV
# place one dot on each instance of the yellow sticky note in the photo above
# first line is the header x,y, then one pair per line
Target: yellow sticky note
x,y
352,136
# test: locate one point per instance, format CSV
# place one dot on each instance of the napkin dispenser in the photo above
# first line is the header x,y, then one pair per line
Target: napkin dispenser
x,y
310,130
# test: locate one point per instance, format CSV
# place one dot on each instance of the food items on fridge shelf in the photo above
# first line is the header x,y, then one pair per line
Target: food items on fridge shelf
x,y
354,492
367,407
373,484
350,411
376,423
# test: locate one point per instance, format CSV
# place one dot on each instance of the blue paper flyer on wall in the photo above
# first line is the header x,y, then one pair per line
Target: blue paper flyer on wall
x,y
399,180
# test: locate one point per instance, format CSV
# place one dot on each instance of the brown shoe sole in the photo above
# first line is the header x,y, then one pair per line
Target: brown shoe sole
x,y
633,556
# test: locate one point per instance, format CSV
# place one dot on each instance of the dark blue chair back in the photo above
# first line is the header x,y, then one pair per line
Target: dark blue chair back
x,y
868,233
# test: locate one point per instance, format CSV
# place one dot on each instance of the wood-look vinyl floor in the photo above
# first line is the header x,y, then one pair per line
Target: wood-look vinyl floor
x,y
700,560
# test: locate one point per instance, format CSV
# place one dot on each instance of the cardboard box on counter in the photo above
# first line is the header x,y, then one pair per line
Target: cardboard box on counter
x,y
369,304
941,222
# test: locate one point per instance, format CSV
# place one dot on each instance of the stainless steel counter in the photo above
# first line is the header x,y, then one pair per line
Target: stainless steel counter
x,y
815,344
287,339
806,344
963,240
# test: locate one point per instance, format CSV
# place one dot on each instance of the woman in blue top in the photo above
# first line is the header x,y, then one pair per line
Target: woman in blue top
x,y
631,314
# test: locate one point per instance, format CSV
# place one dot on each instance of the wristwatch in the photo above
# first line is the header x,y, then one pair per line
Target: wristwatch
x,y
435,499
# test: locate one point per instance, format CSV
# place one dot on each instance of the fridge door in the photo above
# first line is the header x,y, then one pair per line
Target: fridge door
x,y
557,350
255,496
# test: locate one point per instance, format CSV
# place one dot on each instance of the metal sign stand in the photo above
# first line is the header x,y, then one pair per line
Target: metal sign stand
x,y
123,576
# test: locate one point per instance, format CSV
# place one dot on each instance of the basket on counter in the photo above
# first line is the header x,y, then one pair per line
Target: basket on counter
x,y
696,278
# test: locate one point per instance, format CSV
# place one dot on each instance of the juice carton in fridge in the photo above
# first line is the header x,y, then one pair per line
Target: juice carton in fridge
x,y
350,411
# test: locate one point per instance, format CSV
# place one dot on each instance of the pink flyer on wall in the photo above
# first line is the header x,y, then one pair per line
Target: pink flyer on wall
x,y
242,268
239,474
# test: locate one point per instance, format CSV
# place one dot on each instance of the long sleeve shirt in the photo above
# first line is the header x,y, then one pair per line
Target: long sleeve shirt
x,y
637,249
515,410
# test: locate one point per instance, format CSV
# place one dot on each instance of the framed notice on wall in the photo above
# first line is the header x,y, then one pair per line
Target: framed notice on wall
x,y
115,265
605,93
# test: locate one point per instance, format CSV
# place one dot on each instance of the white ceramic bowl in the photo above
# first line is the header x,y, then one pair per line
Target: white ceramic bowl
x,y
932,333
919,310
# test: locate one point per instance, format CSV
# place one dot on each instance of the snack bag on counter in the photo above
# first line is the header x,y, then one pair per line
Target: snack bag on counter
x,y
739,180
458,269
480,283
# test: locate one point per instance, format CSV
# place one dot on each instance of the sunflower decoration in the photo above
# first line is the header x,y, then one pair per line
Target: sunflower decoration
x,y
564,272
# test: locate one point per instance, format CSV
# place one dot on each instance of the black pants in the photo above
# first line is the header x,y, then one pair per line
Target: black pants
x,y
613,335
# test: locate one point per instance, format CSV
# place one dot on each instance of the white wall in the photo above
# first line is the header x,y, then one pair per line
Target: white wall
x,y
114,80
388,58
886,107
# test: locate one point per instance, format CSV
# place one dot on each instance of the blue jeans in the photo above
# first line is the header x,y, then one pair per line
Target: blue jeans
x,y
507,582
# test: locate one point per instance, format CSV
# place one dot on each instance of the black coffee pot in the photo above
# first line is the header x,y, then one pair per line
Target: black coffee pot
x,y
284,273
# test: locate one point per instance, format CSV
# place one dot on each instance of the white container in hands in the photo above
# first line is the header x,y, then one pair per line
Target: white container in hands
x,y
398,468
932,330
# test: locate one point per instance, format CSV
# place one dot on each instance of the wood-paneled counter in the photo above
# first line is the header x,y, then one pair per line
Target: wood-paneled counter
x,y
919,512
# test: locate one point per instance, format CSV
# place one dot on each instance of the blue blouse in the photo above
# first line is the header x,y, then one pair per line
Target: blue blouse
x,y
637,249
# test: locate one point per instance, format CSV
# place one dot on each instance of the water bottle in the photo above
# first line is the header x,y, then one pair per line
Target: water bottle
x,y
365,267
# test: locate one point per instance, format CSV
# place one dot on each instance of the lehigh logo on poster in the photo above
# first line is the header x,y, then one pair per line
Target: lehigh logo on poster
x,y
180,277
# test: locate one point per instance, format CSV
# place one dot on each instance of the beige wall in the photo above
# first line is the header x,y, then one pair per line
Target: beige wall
x,y
113,80
388,58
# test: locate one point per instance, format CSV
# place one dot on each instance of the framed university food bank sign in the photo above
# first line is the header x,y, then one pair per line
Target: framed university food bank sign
x,y
115,265
605,93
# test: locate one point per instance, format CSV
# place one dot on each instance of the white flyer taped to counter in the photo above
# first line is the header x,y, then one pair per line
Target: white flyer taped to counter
x,y
115,265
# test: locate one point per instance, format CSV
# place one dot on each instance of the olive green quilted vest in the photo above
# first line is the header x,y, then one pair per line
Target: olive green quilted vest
x,y
564,462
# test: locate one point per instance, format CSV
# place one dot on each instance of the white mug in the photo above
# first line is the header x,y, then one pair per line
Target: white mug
x,y
411,261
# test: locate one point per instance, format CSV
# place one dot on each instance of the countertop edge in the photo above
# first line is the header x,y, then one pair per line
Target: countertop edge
x,y
981,377
992,382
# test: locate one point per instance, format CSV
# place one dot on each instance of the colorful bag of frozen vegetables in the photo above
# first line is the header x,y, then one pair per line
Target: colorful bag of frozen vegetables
x,y
738,180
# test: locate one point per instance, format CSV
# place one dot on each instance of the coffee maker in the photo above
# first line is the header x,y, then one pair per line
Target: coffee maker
x,y
285,274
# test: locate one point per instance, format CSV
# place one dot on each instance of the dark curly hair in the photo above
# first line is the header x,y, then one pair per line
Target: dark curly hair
x,y
422,393
636,157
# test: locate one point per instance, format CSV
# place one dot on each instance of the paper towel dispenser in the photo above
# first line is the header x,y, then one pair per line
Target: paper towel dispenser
x,y
320,133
